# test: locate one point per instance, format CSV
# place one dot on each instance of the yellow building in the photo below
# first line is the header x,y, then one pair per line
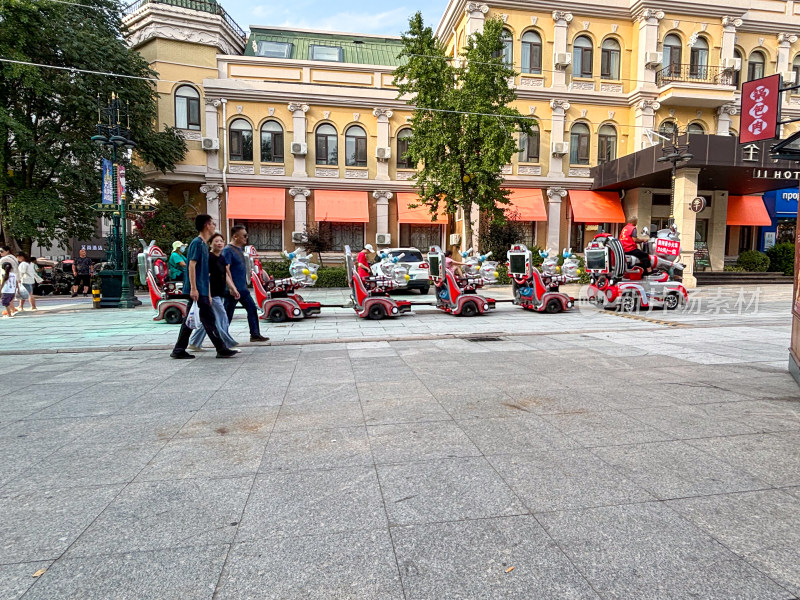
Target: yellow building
x,y
266,114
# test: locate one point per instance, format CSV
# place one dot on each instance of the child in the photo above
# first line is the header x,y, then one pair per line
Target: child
x,y
9,289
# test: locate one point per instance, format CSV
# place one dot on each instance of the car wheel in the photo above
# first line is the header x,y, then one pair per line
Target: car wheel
x,y
424,291
553,306
376,312
628,303
277,314
470,309
672,301
173,315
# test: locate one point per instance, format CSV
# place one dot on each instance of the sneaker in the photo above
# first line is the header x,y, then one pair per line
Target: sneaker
x,y
34,310
258,338
234,344
196,348
180,355
227,353
74,294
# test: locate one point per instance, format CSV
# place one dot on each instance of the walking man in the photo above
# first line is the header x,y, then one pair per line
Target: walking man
x,y
237,267
198,286
82,270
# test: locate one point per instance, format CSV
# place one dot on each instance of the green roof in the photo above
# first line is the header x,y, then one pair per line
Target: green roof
x,y
355,49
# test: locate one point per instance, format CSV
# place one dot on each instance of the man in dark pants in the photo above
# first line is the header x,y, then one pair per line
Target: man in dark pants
x,y
237,267
198,286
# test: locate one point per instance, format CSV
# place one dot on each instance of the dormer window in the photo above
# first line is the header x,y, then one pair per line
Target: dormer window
x,y
274,49
329,53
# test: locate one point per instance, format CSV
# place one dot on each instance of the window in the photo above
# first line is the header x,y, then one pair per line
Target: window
x,y
350,234
737,75
579,144
529,146
241,140
531,52
755,66
606,144
528,230
796,71
271,142
264,235
355,147
696,128
329,53
582,57
672,55
698,60
420,236
187,108
668,129
274,49
403,137
508,47
609,59
327,145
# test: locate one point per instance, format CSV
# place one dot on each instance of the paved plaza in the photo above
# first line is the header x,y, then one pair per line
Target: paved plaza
x,y
514,455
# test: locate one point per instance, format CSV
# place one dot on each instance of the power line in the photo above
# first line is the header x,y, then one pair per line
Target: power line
x,y
87,71
76,4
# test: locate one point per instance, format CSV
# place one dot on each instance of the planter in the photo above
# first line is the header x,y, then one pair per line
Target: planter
x,y
111,287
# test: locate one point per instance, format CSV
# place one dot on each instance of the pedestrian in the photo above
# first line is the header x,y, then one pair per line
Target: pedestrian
x,y
82,270
198,287
219,280
362,262
177,262
27,278
6,258
8,289
237,268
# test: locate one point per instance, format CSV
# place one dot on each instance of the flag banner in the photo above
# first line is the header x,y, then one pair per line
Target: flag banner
x,y
120,185
760,109
108,182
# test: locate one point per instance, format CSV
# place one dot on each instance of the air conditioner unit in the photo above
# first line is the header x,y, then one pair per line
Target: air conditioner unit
x,y
383,239
455,239
732,64
559,148
299,148
789,77
299,237
653,60
562,59
383,153
210,143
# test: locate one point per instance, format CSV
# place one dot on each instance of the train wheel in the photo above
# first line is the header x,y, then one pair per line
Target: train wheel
x,y
628,303
376,312
553,306
470,309
672,301
277,314
173,315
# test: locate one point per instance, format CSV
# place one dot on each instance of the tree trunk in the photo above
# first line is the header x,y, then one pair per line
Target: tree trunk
x,y
468,225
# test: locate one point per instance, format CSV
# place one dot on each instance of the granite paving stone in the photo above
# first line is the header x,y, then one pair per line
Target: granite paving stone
x,y
325,414
607,428
317,449
409,442
230,421
17,578
513,435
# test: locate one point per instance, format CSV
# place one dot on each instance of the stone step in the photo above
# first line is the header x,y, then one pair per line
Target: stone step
x,y
734,277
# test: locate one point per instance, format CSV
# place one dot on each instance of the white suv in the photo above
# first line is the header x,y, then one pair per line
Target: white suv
x,y
416,264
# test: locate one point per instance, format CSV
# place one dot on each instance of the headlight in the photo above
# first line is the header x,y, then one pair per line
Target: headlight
x,y
485,307
296,312
394,310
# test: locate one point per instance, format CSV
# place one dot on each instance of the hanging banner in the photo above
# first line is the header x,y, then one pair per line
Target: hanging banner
x,y
108,182
760,109
120,185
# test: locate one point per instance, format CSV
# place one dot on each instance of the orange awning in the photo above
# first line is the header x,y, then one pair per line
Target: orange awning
x,y
526,205
264,204
747,210
341,207
596,207
421,215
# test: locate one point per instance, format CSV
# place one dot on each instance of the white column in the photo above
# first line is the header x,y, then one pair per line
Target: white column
x,y
559,108
729,25
562,20
785,41
212,131
648,42
299,136
382,168
554,197
724,120
212,192
476,16
383,197
300,196
645,120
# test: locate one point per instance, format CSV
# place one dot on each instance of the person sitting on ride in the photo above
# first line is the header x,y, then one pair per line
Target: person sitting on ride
x,y
177,262
628,237
362,262
450,264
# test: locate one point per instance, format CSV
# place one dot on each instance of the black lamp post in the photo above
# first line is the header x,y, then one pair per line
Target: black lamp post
x,y
111,134
676,154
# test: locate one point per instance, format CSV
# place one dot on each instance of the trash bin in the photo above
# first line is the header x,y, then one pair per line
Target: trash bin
x,y
111,287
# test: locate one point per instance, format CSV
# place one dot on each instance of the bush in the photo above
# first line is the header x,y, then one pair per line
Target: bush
x,y
733,269
781,258
753,261
502,275
278,269
331,277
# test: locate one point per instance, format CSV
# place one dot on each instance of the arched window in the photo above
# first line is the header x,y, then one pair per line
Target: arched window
x,y
531,52
403,137
508,47
582,57
355,146
271,142
796,71
755,66
696,128
606,144
672,55
241,140
579,138
669,129
698,60
609,59
529,146
187,108
327,145
737,75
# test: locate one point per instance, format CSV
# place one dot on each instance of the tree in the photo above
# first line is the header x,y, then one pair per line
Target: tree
x,y
462,127
318,239
166,224
49,176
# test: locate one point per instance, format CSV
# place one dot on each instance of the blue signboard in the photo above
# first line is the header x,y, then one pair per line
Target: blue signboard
x,y
780,204
786,202
108,182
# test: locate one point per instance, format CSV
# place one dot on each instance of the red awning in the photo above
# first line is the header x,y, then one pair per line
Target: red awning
x,y
421,215
747,211
596,207
263,204
526,205
341,207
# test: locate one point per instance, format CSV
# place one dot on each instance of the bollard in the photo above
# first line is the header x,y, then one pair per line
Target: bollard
x,y
95,296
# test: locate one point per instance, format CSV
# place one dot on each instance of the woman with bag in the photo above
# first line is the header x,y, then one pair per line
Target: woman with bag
x,y
28,277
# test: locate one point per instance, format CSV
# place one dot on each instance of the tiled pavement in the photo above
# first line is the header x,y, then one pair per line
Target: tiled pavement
x,y
578,456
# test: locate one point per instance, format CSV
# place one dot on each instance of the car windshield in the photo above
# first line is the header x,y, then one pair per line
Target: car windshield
x,y
410,255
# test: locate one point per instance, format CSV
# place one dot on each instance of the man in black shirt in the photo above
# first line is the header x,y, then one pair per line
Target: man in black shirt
x,y
82,270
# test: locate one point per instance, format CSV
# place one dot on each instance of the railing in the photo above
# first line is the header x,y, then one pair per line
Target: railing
x,y
206,6
694,74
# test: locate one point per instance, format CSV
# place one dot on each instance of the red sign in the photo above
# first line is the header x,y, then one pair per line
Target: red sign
x,y
760,109
668,247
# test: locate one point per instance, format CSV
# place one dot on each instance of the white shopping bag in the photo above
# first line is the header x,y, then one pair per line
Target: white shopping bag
x,y
193,318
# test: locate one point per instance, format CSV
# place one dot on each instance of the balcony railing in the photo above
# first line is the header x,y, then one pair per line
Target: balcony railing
x,y
206,6
693,74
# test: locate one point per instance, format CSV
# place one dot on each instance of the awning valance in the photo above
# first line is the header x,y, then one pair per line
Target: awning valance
x,y
596,207
264,204
526,205
747,211
341,207
421,215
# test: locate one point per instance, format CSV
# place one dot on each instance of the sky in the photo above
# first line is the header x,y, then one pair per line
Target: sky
x,y
350,16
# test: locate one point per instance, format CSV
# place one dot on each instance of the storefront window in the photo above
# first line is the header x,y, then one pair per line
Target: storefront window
x,y
786,230
264,235
420,236
583,233
745,239
351,234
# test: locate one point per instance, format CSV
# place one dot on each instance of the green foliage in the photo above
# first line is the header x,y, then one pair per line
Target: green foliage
x,y
278,269
753,260
331,277
166,224
733,269
49,171
497,237
502,275
781,258
318,240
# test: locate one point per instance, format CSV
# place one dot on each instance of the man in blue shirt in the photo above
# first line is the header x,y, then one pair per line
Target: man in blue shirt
x,y
237,267
197,285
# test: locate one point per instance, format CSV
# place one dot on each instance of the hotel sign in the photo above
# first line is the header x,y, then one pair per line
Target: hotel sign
x,y
776,174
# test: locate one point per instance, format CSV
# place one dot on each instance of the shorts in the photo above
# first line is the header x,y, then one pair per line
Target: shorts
x,y
29,287
82,279
7,299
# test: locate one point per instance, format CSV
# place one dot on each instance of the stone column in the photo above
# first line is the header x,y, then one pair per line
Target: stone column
x,y
382,169
383,197
645,120
476,16
648,42
562,20
718,226
300,196
212,131
299,126
729,25
724,120
685,219
212,192
554,197
559,108
785,41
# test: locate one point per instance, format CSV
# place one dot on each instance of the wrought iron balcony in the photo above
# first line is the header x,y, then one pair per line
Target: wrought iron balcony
x,y
694,74
206,6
